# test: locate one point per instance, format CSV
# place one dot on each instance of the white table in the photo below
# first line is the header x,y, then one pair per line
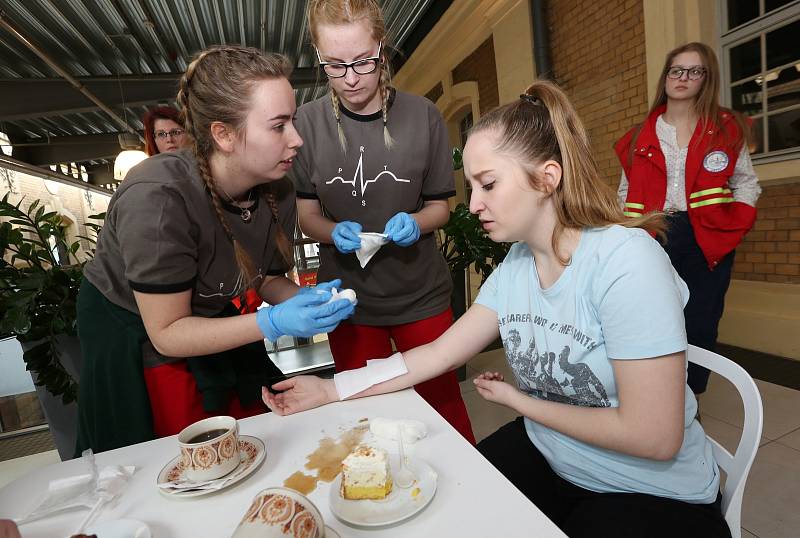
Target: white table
x,y
472,497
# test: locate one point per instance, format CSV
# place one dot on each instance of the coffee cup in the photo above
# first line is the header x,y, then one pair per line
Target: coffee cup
x,y
210,448
281,513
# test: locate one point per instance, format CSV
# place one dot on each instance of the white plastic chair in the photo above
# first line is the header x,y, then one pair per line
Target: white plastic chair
x,y
736,466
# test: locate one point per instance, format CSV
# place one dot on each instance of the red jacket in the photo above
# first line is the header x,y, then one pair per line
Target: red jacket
x,y
718,221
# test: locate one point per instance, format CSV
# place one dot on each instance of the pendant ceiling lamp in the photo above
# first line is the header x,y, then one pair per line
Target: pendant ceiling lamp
x,y
129,157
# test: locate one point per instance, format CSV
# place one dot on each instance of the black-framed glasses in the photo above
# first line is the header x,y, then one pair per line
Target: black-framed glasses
x,y
693,73
174,133
364,66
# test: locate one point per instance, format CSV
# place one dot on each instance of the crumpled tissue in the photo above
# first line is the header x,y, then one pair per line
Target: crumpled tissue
x,y
413,430
82,491
370,243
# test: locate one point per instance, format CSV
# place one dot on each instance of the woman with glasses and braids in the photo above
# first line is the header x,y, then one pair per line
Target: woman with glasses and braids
x,y
376,160
163,130
185,233
607,443
690,159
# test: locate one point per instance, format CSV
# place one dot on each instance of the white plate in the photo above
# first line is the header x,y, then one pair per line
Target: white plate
x,y
251,450
399,505
120,528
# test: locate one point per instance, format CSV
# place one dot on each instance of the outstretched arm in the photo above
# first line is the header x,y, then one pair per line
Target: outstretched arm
x,y
466,338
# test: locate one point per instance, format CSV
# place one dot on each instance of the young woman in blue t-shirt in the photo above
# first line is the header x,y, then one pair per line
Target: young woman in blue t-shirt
x,y
590,313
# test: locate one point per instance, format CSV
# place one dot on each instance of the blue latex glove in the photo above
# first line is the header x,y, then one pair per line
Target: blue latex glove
x,y
306,314
345,236
402,229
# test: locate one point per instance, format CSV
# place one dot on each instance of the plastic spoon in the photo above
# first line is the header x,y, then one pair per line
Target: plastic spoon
x,y
404,478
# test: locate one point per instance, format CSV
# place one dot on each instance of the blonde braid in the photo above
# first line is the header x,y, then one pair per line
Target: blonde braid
x,y
201,148
388,141
247,270
386,92
338,116
183,92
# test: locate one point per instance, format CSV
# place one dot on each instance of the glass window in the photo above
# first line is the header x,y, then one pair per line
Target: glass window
x,y
784,130
762,75
771,5
744,11
783,87
783,45
746,59
741,11
747,98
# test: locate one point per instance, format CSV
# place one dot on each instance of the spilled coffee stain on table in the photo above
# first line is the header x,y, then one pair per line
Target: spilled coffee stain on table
x,y
327,459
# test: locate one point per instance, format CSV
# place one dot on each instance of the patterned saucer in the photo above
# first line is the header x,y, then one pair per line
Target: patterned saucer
x,y
251,450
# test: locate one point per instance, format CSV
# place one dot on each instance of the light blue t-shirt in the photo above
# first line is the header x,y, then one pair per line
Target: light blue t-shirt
x,y
618,299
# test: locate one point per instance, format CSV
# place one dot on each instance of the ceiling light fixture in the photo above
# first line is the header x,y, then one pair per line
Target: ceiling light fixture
x,y
129,157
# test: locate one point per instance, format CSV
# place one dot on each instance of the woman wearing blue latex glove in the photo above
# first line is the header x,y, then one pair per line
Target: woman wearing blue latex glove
x,y
186,233
305,314
345,237
402,229
376,160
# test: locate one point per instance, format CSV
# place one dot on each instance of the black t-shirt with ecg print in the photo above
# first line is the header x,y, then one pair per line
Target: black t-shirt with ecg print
x,y
369,184
161,235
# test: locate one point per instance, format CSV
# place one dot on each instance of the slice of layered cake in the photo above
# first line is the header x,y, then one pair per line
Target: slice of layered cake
x,y
365,474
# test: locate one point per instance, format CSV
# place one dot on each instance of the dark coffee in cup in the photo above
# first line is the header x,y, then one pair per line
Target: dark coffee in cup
x,y
210,448
206,436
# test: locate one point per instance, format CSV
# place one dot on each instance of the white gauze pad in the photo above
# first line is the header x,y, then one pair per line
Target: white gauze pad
x,y
376,371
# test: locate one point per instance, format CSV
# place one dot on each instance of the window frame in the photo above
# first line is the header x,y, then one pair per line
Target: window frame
x,y
730,38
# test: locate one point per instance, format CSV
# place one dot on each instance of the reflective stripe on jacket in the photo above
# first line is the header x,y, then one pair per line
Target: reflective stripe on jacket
x,y
719,222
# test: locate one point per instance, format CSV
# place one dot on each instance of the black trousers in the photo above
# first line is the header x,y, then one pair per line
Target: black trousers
x,y
582,513
707,290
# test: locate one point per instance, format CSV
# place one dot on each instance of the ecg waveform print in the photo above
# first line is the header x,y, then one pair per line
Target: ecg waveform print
x,y
358,176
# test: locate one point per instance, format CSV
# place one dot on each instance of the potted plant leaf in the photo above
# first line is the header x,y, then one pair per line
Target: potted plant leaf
x,y
40,275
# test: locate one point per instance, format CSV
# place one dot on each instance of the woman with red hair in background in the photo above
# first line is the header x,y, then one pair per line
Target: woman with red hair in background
x,y
163,130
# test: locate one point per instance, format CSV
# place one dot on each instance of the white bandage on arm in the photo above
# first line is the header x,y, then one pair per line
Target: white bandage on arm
x,y
376,371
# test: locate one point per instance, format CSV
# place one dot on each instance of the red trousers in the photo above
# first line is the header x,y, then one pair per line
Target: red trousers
x,y
176,402
351,346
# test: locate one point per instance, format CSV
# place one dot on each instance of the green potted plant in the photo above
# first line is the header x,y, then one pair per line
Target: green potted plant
x,y
40,275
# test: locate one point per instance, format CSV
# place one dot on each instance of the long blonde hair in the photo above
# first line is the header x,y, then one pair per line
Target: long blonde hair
x,y
217,86
542,125
340,12
706,102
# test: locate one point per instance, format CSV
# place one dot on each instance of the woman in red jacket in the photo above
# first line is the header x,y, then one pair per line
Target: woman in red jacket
x,y
690,158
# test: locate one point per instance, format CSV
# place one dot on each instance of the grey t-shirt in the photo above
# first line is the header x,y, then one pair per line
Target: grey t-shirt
x,y
161,235
370,184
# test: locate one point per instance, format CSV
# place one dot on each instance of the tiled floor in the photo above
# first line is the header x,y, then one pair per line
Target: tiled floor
x,y
770,508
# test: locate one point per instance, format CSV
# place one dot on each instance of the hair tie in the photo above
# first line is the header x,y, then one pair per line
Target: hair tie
x,y
530,99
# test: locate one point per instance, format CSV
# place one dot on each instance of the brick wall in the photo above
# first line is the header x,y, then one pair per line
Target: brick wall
x,y
599,59
771,251
598,53
480,67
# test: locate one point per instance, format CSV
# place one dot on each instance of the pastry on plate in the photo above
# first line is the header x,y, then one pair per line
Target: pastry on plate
x,y
365,474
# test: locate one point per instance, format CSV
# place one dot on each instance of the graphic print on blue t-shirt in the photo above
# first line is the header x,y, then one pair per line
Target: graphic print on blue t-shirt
x,y
573,382
358,177
619,300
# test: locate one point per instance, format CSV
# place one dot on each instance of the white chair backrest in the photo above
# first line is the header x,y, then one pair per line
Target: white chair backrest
x,y
736,466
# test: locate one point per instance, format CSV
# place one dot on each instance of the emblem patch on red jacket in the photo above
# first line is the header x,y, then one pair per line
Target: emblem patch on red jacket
x,y
716,161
